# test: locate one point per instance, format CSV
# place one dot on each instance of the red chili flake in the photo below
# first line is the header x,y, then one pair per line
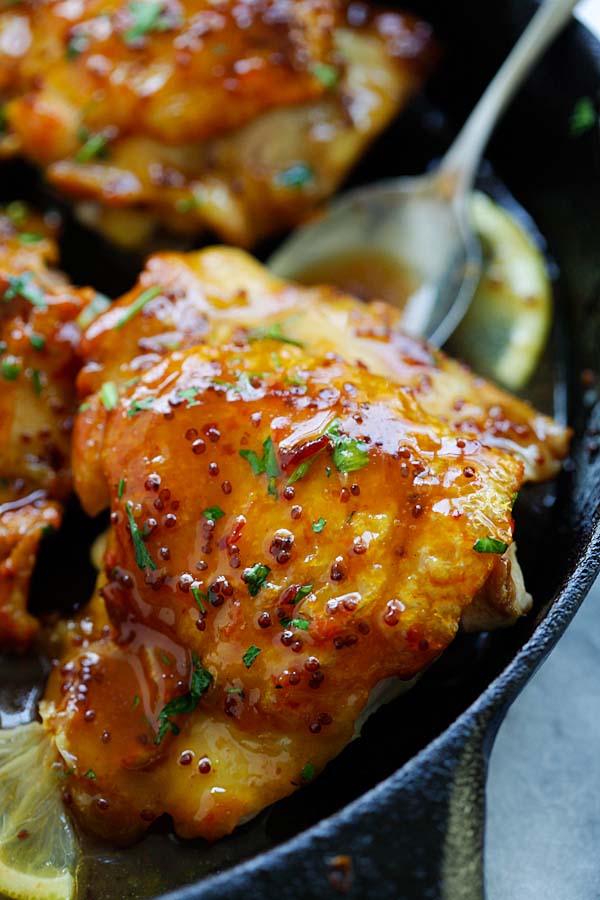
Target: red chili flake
x,y
23,833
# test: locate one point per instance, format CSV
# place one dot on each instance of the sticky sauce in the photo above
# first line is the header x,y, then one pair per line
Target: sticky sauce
x,y
369,275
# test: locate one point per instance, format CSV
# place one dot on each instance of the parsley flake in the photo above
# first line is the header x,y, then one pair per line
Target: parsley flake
x,y
319,525
308,772
489,545
349,455
296,176
272,332
138,304
90,774
36,381
326,74
198,595
200,682
11,368
23,286
213,513
267,464
37,341
250,655
255,577
121,488
136,701
583,117
142,557
109,395
97,305
94,146
27,238
302,624
147,16
140,406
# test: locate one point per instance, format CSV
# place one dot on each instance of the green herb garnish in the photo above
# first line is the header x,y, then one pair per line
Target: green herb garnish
x,y
489,545
201,681
296,176
27,238
136,701
77,44
90,774
11,368
255,578
319,525
140,406
36,381
272,332
37,341
121,488
326,74
94,146
250,655
213,513
147,16
138,304
198,595
96,306
349,455
142,557
24,286
303,624
109,395
267,464
190,395
308,772
583,117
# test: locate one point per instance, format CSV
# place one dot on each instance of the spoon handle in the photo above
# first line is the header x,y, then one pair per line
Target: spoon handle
x,y
461,162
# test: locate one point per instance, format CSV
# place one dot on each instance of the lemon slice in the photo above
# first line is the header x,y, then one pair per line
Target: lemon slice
x,y
505,329
37,844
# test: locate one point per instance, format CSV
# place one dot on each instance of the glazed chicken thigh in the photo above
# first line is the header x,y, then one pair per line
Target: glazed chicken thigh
x,y
304,504
39,333
238,116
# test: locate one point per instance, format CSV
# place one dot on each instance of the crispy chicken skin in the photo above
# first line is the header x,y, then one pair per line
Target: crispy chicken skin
x,y
238,116
300,497
38,364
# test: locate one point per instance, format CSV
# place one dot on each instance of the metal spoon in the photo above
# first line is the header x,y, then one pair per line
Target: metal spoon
x,y
420,227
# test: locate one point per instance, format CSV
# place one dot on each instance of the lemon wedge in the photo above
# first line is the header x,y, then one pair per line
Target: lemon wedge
x,y
37,845
504,332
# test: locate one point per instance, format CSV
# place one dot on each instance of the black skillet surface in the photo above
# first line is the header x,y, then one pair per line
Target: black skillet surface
x,y
405,802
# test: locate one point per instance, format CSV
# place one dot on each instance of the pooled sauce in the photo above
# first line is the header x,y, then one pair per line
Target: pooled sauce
x,y
370,274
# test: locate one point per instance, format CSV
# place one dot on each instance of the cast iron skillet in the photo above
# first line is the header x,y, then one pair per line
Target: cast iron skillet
x,y
405,803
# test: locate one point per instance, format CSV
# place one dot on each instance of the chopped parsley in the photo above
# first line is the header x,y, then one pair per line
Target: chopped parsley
x,y
198,595
319,525
77,44
37,341
90,774
308,772
142,557
303,591
303,624
121,488
23,286
490,545
213,513
147,16
190,395
140,406
267,464
296,176
250,655
326,74
583,117
136,701
30,237
11,368
138,304
235,690
272,332
349,455
94,146
302,469
109,395
255,577
200,682
97,305
36,381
